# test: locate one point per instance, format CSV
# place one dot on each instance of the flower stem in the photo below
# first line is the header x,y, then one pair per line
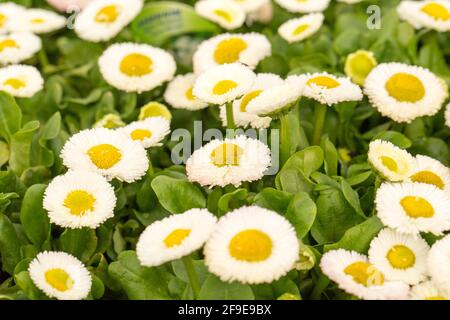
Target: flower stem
x,y
192,275
321,284
150,170
230,116
285,151
320,115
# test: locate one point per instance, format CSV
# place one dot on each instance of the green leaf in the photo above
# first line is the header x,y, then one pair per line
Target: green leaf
x,y
20,147
177,196
232,200
33,217
352,197
359,237
27,285
395,137
41,154
273,199
214,289
79,242
331,156
301,213
10,116
139,283
9,244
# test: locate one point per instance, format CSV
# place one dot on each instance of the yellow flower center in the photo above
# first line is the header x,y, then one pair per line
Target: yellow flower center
x,y
247,98
59,279
37,21
429,178
141,134
417,207
107,14
8,43
15,83
359,65
401,257
436,298
436,10
224,15
224,86
176,237
104,156
389,163
251,246
227,154
189,95
79,202
154,109
405,88
324,82
300,29
2,20
365,273
229,50
136,65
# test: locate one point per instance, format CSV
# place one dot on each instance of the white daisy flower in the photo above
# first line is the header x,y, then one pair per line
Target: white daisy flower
x,y
79,199
21,80
447,115
354,274
246,48
102,20
403,92
413,207
433,14
179,93
252,245
225,13
174,237
304,6
229,161
107,152
150,132
19,46
431,171
427,291
399,256
276,99
135,67
263,81
439,264
250,6
299,29
328,89
224,83
8,12
390,161
38,21
359,64
60,275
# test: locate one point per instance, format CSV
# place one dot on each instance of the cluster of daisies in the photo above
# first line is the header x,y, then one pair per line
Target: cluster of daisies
x,y
413,201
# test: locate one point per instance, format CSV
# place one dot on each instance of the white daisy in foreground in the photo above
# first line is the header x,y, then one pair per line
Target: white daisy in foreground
x,y
79,199
229,161
299,29
399,256
38,21
21,80
179,93
246,48
60,275
328,89
304,6
359,64
252,245
427,291
8,12
174,237
135,67
224,83
430,171
439,263
263,81
434,14
154,109
354,274
107,152
19,46
150,132
251,6
413,208
276,99
102,20
225,13
403,92
390,161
